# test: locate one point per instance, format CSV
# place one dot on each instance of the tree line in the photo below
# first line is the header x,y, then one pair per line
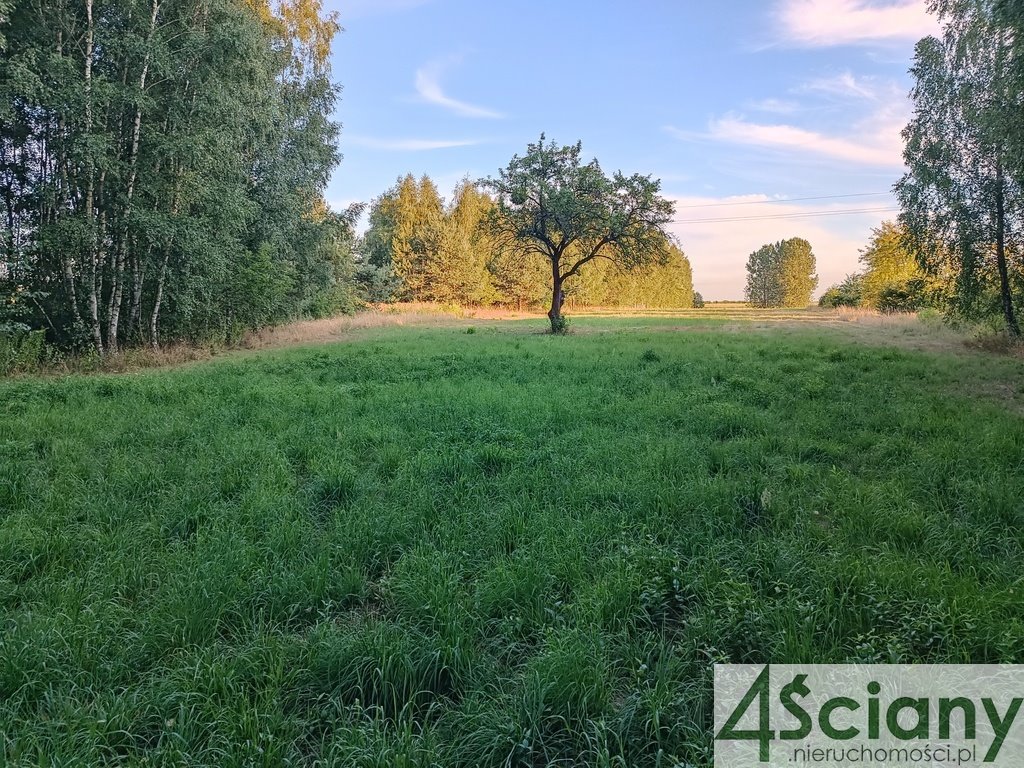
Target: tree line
x,y
162,166
420,248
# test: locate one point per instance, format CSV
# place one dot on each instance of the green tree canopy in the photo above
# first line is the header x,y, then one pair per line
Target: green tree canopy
x,y
764,289
781,274
162,165
891,268
961,197
571,213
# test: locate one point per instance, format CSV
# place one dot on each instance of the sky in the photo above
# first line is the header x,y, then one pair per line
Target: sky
x,y
743,108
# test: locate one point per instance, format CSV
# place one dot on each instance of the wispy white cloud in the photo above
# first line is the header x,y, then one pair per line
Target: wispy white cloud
x,y
406,145
428,87
845,85
822,23
775,106
877,141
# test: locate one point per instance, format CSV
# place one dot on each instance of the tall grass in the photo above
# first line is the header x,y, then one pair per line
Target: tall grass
x,y
434,548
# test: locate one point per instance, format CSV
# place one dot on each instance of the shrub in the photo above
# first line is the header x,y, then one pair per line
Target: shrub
x,y
845,294
378,285
992,335
907,296
21,350
561,325
931,317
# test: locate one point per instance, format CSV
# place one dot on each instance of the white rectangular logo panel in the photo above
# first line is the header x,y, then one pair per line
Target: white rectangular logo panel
x,y
871,715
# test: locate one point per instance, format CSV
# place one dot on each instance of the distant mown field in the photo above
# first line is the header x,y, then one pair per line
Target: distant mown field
x,y
433,547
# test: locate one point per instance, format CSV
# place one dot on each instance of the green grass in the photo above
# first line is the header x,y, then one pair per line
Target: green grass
x,y
434,548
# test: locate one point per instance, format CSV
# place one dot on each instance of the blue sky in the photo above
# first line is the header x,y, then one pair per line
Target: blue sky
x,y
731,104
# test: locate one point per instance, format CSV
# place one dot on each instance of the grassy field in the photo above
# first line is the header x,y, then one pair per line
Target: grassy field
x,y
427,546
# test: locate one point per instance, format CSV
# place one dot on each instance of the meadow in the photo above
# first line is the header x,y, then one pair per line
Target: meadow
x,y
469,543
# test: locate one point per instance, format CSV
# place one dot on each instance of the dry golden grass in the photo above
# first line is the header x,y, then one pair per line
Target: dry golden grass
x,y
344,326
909,331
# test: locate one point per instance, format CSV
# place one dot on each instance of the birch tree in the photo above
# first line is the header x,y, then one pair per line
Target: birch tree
x,y
961,197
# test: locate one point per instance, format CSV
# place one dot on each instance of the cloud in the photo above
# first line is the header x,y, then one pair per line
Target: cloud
x,y
718,251
878,142
406,145
428,87
845,85
775,106
823,23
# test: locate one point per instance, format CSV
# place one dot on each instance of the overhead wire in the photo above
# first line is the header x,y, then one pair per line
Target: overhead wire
x,y
811,215
783,200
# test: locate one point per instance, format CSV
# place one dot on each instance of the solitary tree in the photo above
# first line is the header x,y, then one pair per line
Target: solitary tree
x,y
781,274
548,202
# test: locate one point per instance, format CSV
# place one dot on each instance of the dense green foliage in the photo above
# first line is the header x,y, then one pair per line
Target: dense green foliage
x,y
848,293
161,168
438,252
448,253
781,274
665,283
428,548
962,199
891,269
892,279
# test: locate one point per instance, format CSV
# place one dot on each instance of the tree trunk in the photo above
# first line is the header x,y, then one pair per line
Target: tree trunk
x,y
94,316
117,291
154,317
557,297
98,256
1004,277
53,213
138,277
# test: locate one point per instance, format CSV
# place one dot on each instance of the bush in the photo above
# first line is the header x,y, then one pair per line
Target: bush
x,y
561,325
931,317
378,285
255,293
845,294
339,299
907,296
21,350
698,300
992,335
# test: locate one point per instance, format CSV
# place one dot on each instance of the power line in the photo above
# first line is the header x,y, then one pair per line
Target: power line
x,y
787,200
816,214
